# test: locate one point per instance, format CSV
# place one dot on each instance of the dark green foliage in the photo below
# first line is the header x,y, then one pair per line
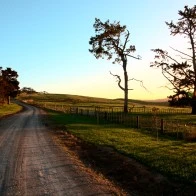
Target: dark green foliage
x,y
9,85
27,90
110,39
180,99
181,74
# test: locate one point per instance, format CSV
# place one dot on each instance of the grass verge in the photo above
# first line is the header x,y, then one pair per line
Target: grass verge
x,y
6,110
176,159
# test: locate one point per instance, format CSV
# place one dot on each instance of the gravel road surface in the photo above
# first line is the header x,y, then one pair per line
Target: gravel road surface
x,y
31,163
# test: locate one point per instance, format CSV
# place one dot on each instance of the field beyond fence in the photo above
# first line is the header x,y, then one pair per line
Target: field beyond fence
x,y
138,117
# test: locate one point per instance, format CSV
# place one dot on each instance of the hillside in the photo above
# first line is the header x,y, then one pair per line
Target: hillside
x,y
84,100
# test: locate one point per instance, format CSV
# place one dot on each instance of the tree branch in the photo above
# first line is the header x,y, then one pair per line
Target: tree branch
x,y
141,83
138,57
190,60
119,81
165,71
165,87
181,52
126,40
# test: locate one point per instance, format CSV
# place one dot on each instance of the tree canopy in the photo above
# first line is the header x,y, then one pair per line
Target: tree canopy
x,y
27,90
180,99
181,71
9,85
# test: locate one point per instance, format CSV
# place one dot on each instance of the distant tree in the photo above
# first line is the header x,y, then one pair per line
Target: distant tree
x,y
112,41
182,75
180,99
9,85
45,92
2,87
27,90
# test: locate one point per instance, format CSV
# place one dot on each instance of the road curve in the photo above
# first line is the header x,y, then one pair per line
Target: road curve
x,y
31,163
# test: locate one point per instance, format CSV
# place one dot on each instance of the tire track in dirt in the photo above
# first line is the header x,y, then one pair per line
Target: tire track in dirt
x,y
32,164
11,140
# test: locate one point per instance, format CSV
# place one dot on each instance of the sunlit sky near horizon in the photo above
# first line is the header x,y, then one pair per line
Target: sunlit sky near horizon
x,y
47,42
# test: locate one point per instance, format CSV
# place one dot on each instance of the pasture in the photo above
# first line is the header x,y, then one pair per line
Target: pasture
x,y
76,100
173,158
154,116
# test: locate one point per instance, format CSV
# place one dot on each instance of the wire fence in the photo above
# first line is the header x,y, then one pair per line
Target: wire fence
x,y
135,118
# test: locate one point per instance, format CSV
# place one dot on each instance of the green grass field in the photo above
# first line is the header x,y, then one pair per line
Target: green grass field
x,y
139,108
174,158
9,109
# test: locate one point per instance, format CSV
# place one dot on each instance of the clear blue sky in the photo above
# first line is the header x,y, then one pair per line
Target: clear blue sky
x,y
46,42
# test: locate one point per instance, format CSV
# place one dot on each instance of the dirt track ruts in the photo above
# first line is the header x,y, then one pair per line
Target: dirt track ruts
x,y
31,163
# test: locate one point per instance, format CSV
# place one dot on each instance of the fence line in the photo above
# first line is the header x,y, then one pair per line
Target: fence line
x,y
153,122
142,109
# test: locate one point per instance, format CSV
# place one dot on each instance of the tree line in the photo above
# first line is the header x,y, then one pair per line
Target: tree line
x,y
111,40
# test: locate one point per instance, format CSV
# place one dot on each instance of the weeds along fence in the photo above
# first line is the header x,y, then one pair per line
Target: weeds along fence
x,y
135,118
161,111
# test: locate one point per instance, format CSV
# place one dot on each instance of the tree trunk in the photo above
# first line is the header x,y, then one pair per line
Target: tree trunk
x,y
8,100
126,92
193,102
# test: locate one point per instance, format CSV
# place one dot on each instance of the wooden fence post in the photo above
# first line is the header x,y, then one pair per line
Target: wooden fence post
x,y
97,117
162,126
138,121
105,115
77,109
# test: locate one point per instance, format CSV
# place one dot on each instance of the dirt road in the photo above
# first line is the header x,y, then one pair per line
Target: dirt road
x,y
31,163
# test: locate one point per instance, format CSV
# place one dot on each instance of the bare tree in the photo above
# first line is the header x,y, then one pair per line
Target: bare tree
x,y
112,41
181,73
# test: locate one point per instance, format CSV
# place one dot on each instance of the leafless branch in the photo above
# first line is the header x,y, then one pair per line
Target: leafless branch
x,y
141,83
165,87
184,58
169,57
118,80
165,71
138,57
180,52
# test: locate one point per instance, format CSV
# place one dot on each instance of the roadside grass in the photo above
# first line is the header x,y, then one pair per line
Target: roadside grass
x,y
9,109
173,158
